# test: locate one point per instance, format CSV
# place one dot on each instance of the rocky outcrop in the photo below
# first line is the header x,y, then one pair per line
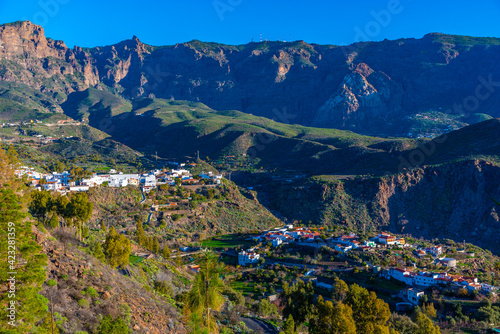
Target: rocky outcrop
x,y
364,99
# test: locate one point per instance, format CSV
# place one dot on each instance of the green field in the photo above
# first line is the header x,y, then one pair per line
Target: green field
x,y
228,241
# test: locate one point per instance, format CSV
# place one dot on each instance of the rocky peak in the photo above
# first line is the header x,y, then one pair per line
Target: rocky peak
x,y
24,37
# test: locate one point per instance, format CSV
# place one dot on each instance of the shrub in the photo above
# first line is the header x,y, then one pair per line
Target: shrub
x,y
83,303
92,292
51,282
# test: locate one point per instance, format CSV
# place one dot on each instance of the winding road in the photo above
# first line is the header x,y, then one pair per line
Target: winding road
x,y
258,326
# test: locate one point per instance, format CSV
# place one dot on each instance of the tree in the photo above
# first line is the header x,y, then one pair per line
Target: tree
x,y
178,259
266,309
289,326
16,235
103,226
54,221
98,253
117,248
429,310
206,294
425,325
40,205
166,252
12,154
6,170
332,319
140,234
370,313
81,209
156,245
402,324
299,301
59,205
340,290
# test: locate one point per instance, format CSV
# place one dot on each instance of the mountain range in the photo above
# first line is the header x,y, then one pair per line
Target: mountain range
x,y
402,87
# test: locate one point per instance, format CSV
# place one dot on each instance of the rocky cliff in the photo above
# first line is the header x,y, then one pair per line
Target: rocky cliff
x,y
361,87
448,201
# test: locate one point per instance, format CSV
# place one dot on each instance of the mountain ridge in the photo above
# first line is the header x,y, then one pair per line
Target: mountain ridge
x,y
367,87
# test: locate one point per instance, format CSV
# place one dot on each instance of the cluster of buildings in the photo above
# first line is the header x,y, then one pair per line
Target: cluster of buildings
x,y
343,243
63,182
288,233
424,279
54,181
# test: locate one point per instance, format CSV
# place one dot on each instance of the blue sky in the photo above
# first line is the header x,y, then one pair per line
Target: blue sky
x,y
104,22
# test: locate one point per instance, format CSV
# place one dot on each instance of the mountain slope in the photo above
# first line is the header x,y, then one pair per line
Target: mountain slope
x,y
179,128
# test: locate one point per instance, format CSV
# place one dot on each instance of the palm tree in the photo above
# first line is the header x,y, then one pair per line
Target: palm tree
x,y
206,294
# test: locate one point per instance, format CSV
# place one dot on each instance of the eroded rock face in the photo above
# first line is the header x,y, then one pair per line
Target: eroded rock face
x,y
364,98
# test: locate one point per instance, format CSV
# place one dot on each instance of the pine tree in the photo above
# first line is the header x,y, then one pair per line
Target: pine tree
x,y
425,325
178,259
40,205
156,245
54,221
299,300
81,209
6,170
289,326
370,314
333,319
12,154
166,252
99,254
140,234
17,234
117,248
340,290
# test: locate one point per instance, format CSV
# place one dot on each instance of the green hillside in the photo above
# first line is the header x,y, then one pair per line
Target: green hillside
x,y
177,129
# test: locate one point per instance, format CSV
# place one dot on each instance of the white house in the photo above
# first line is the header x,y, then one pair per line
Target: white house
x,y
96,180
122,180
343,248
402,275
435,251
414,295
247,257
426,279
53,184
276,242
79,188
148,181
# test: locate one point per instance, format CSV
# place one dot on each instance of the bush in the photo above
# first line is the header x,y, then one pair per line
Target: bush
x,y
109,325
51,282
83,303
163,287
92,292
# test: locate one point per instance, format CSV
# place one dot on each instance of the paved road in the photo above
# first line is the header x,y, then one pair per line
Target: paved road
x,y
256,325
149,217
